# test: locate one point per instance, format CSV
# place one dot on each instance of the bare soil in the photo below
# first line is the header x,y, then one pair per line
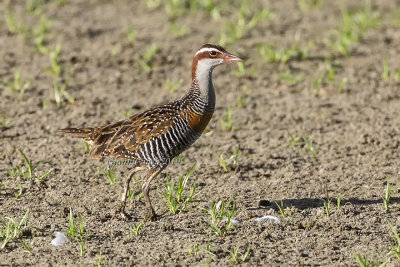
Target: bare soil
x,y
355,135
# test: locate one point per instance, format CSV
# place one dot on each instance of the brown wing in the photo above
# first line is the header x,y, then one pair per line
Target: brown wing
x,y
123,139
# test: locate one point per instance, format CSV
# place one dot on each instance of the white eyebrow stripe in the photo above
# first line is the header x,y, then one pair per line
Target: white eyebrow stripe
x,y
207,49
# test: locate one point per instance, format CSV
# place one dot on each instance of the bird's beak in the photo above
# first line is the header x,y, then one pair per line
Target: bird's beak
x,y
231,58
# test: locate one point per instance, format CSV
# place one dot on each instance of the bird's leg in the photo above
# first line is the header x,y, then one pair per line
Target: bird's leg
x,y
150,213
126,189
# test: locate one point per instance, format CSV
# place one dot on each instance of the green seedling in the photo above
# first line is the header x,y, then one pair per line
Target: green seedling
x,y
395,249
386,75
172,86
132,35
178,31
176,196
327,206
99,260
289,77
226,121
221,160
76,231
339,201
111,175
385,71
19,194
14,26
152,4
60,84
225,211
327,202
246,21
146,61
27,248
242,70
310,147
17,85
30,172
5,121
308,4
362,260
281,208
353,27
293,142
11,230
194,249
270,53
137,228
388,194
39,33
235,255
35,6
239,101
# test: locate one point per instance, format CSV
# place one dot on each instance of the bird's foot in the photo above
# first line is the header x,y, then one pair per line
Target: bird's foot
x,y
150,215
120,213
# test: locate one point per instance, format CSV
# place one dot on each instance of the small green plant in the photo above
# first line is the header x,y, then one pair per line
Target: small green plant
x,y
243,70
308,4
27,248
132,35
281,208
226,121
14,26
289,77
99,260
339,201
39,34
353,27
178,31
235,255
59,83
137,228
5,121
309,146
111,175
194,249
146,61
17,85
176,196
233,31
18,195
388,194
395,249
11,230
29,173
386,75
221,213
327,202
76,231
172,86
293,142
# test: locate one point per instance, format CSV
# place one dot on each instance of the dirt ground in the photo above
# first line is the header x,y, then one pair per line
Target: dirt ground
x,y
298,139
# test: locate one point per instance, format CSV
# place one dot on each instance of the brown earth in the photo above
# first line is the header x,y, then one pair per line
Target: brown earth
x,y
355,134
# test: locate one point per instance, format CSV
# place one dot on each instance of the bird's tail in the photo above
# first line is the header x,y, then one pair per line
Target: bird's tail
x,y
85,133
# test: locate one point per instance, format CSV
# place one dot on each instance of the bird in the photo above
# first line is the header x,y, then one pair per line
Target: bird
x,y
151,139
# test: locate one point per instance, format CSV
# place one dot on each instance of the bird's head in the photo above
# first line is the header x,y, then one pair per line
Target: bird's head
x,y
209,56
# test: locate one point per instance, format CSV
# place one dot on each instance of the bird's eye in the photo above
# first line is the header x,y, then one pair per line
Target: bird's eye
x,y
213,53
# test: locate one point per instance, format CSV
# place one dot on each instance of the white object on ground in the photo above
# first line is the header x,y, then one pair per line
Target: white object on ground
x,y
60,239
232,220
268,218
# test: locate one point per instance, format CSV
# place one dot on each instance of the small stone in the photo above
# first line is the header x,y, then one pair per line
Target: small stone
x,y
268,218
60,239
